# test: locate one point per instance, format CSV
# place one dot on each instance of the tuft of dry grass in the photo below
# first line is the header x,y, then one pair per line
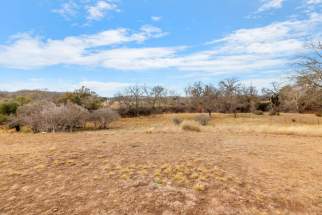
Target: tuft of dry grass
x,y
202,119
176,120
188,125
300,130
199,187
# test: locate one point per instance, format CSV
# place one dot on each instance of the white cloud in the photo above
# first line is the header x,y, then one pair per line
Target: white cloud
x,y
270,47
67,10
270,4
264,82
58,85
27,52
266,48
103,86
100,9
313,2
156,18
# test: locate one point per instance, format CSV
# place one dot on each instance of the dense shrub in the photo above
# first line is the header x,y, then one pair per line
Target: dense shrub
x,y
48,117
263,106
133,112
83,97
202,119
3,118
103,117
8,108
188,125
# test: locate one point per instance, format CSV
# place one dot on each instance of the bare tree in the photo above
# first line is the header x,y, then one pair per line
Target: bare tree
x,y
230,89
310,74
248,98
135,94
157,96
274,94
210,99
196,92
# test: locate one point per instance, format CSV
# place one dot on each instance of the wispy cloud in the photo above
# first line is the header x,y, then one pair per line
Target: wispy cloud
x,y
87,10
67,9
26,51
313,2
270,5
267,48
156,18
104,88
99,10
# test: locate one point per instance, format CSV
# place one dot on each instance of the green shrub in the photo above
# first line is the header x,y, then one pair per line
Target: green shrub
x,y
3,118
8,108
202,119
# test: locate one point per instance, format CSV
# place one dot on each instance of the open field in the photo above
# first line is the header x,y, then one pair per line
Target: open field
x,y
249,165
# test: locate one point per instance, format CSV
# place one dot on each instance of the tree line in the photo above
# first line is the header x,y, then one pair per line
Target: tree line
x,y
302,94
51,111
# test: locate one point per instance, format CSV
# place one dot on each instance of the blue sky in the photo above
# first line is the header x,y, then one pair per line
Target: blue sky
x,y
110,44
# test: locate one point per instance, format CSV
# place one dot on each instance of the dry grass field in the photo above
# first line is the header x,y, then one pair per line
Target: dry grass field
x,y
248,165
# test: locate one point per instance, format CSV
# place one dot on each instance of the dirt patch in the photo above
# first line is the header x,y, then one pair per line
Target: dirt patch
x,y
160,172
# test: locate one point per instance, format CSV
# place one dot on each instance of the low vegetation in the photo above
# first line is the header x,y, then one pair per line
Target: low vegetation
x,y
247,165
189,125
51,111
49,117
176,120
202,119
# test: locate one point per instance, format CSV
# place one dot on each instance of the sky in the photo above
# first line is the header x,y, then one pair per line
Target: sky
x,y
108,45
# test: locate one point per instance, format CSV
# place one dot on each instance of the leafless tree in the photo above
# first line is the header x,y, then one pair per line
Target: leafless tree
x,y
230,89
274,95
310,73
195,92
157,96
135,94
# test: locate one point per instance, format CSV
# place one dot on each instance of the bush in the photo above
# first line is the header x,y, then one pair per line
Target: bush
x,y
48,117
274,113
188,125
8,108
103,117
3,118
176,120
202,119
83,97
258,112
319,114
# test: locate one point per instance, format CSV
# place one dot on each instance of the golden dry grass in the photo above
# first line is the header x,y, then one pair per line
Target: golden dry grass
x,y
189,125
287,124
249,165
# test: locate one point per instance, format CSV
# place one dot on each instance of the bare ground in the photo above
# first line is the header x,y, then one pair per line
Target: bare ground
x,y
160,171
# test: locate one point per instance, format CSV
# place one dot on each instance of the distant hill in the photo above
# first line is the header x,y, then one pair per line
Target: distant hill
x,y
32,94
